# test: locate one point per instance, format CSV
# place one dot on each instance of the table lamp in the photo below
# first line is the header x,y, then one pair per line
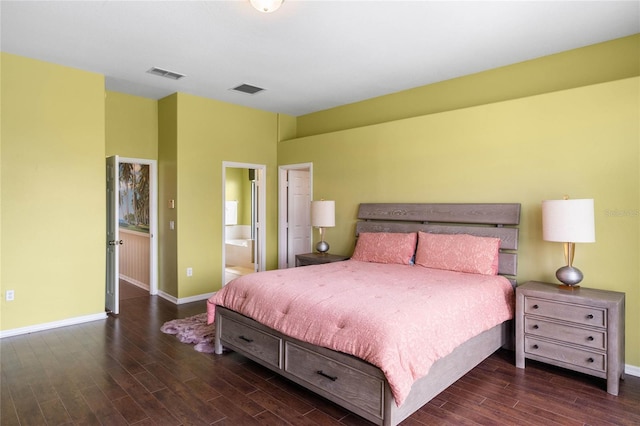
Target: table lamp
x,y
323,215
569,222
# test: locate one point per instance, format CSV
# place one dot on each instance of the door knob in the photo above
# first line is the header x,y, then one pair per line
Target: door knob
x,y
115,243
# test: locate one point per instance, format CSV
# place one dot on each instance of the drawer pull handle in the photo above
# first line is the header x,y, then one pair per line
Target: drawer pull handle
x,y
535,346
246,339
323,374
590,360
590,338
535,326
535,306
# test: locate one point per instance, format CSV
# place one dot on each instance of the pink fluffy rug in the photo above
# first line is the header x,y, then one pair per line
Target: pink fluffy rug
x,y
192,330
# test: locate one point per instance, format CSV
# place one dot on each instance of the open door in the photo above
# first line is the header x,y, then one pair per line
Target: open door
x,y
137,222
112,304
249,257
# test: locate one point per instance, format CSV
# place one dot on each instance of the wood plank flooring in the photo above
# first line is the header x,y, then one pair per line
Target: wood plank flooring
x,y
124,371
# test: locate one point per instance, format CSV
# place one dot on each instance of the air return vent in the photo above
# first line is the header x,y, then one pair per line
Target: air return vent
x,y
165,73
248,89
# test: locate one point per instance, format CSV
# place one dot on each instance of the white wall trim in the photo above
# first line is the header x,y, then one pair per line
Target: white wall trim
x,y
54,324
632,370
196,298
134,282
190,299
167,296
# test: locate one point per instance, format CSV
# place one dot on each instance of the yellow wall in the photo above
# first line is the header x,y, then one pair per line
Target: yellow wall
x,y
582,142
598,63
208,133
234,189
167,190
131,126
245,211
238,189
53,192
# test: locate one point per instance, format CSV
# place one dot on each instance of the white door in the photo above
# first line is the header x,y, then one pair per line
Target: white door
x,y
298,213
113,239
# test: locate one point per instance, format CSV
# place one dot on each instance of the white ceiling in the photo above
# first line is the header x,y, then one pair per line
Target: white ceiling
x,y
309,55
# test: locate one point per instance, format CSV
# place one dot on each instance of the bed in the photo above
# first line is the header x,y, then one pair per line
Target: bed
x,y
361,355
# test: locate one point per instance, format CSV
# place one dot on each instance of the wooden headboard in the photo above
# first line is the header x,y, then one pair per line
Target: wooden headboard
x,y
483,220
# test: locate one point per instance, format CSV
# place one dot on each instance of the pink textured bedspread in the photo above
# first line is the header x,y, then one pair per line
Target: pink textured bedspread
x,y
400,318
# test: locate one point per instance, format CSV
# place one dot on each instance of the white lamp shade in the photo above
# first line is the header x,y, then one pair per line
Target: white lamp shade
x,y
568,221
266,6
323,214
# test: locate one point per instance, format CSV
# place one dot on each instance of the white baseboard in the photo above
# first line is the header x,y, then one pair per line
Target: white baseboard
x,y
189,299
54,324
632,370
167,296
135,282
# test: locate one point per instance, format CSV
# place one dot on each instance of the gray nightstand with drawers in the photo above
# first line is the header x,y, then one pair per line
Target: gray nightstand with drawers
x,y
582,329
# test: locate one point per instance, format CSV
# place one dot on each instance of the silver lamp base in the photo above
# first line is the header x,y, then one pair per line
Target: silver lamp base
x,y
322,247
569,276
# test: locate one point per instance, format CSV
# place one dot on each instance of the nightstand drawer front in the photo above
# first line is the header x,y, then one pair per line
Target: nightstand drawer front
x,y
567,354
579,314
567,333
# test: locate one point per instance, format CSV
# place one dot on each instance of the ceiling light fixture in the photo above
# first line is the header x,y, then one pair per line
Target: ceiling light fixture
x,y
266,6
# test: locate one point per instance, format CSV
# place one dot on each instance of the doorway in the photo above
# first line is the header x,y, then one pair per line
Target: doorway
x,y
132,249
294,203
243,219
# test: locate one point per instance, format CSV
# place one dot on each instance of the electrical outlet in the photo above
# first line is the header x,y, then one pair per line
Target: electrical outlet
x,y
189,272
10,295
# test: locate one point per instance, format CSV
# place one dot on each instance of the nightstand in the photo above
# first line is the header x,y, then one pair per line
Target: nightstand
x,y
581,330
318,258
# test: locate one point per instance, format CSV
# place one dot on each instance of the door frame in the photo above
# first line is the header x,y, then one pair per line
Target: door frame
x,y
112,270
153,218
261,218
283,223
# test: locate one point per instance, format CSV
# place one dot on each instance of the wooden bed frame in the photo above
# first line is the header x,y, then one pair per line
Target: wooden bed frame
x,y
362,387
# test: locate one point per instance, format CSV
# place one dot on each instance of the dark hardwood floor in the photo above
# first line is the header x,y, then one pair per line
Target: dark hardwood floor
x,y
124,371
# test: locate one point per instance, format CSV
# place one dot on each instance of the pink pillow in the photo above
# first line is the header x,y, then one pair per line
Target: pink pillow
x,y
385,247
458,252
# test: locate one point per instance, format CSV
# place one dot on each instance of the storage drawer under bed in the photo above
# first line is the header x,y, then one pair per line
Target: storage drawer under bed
x,y
264,346
340,380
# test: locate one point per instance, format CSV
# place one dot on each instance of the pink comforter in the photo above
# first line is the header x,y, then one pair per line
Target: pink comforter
x,y
399,318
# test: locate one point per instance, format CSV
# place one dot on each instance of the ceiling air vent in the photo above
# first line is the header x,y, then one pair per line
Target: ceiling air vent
x,y
165,73
248,89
